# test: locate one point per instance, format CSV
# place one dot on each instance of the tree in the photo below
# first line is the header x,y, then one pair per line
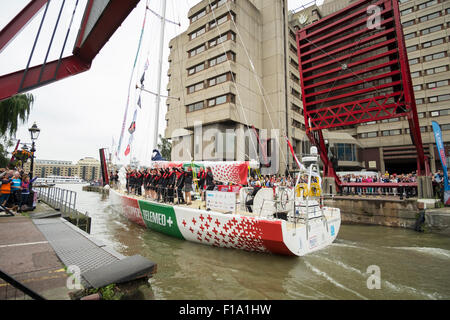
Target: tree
x,y
13,111
165,147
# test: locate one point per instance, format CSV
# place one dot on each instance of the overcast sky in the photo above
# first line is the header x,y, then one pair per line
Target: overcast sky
x,y
81,114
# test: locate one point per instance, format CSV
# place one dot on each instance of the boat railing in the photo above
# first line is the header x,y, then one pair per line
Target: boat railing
x,y
290,210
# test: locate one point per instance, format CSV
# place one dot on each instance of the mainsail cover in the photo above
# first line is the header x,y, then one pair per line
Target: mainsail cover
x,y
235,172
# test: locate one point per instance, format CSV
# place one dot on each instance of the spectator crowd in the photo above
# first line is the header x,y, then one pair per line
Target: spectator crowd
x,y
14,190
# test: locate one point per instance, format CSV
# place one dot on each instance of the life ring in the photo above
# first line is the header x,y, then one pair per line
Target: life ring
x,y
300,187
315,190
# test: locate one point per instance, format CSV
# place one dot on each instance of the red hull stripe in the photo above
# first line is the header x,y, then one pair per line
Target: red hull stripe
x,y
273,238
132,211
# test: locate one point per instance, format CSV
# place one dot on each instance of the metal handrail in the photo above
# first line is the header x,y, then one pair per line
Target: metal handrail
x,y
16,284
58,198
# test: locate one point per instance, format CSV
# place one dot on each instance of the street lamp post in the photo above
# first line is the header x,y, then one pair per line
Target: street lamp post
x,y
34,132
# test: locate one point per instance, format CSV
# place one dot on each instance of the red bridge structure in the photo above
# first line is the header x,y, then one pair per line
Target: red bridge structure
x,y
354,69
101,19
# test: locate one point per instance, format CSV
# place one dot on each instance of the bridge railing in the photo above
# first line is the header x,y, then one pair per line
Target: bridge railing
x,y
409,189
58,198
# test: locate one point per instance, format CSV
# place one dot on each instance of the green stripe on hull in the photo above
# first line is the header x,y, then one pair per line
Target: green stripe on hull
x,y
160,218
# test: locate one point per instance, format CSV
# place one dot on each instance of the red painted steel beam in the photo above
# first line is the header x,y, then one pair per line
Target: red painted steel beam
x,y
351,55
339,22
354,83
69,66
350,65
112,17
349,75
348,46
15,26
345,95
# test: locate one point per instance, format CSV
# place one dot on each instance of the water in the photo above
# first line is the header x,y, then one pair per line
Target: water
x,y
412,265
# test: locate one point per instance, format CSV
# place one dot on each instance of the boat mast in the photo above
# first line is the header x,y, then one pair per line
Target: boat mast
x,y
161,51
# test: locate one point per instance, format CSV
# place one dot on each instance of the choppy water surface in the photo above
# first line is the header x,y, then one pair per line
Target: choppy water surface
x,y
412,265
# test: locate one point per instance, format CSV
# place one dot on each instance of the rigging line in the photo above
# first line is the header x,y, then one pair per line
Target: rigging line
x,y
155,94
130,83
167,20
234,80
261,88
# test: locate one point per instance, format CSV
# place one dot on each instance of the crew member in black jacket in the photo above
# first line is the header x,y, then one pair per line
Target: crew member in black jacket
x,y
180,185
209,180
188,185
171,179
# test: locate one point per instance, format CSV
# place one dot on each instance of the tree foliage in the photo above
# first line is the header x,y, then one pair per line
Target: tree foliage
x,y
13,112
165,147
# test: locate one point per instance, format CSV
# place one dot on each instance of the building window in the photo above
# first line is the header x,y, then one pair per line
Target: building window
x,y
434,56
222,58
295,93
293,48
221,79
195,106
198,15
427,4
408,23
298,124
196,87
292,35
436,70
294,63
445,127
412,48
346,152
431,29
414,61
415,74
410,35
444,97
417,87
437,113
296,108
197,33
196,69
391,132
430,16
221,100
433,43
197,51
368,135
437,84
294,77
217,4
406,11
419,101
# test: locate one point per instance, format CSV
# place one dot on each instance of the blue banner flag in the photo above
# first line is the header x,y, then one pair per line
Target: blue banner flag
x,y
441,151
